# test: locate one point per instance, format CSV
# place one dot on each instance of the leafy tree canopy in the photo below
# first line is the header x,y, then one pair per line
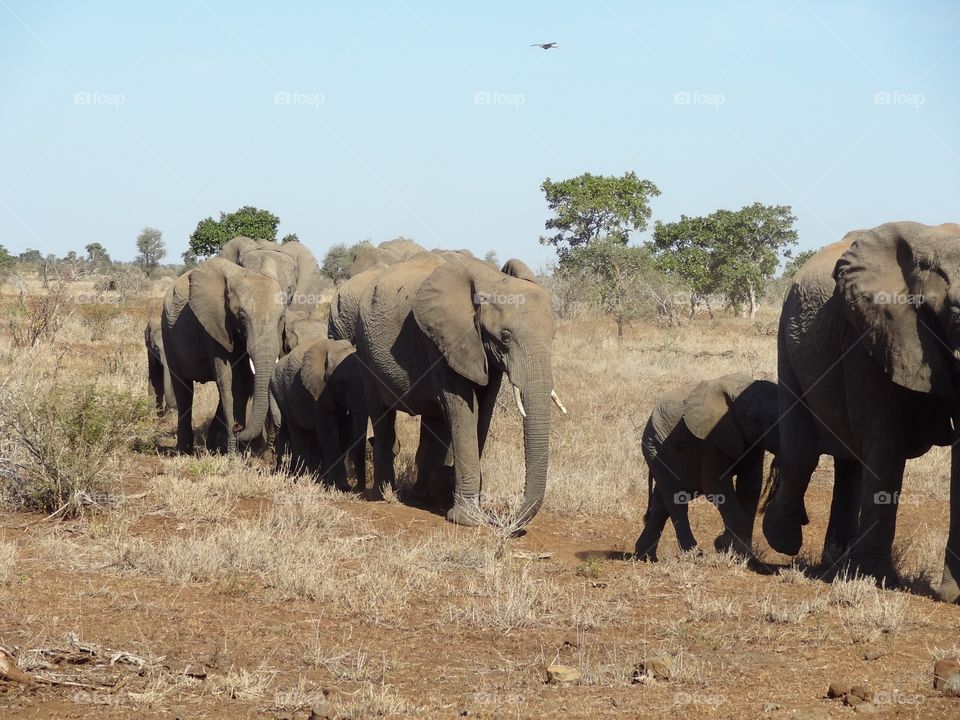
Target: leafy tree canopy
x,y
210,235
152,249
795,262
590,207
339,258
97,254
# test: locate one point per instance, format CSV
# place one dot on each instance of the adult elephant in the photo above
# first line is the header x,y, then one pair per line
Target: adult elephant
x,y
291,264
218,320
694,443
868,344
157,372
435,335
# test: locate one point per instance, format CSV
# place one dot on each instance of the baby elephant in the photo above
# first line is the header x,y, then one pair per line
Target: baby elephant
x,y
317,391
695,443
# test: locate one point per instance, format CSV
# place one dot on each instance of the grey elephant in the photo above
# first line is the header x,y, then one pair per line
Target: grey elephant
x,y
223,323
301,327
157,372
318,390
291,264
868,344
695,443
435,335
387,253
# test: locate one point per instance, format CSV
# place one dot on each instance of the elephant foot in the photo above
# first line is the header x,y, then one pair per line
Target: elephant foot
x,y
644,552
466,511
783,530
948,590
834,554
882,571
727,542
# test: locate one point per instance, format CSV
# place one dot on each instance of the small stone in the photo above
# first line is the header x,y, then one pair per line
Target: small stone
x,y
197,672
852,700
862,692
769,707
560,674
951,688
322,711
838,690
658,668
943,670
872,654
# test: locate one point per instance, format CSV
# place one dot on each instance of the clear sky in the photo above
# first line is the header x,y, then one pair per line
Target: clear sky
x,y
438,121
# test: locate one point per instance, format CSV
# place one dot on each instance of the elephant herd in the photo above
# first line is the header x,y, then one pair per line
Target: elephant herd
x,y
868,372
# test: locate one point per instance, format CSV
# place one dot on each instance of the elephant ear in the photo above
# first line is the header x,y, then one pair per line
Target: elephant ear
x,y
707,412
208,299
313,371
446,309
518,269
890,291
337,352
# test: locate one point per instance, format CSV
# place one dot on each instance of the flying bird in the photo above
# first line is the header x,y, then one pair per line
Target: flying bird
x,y
546,46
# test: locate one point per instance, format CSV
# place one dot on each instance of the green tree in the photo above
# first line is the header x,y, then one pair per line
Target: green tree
x,y
97,255
210,235
491,257
189,259
292,237
6,259
30,256
336,263
152,249
733,253
794,262
589,207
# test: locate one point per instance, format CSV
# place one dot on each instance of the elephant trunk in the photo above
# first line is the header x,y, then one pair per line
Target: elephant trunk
x,y
264,355
536,441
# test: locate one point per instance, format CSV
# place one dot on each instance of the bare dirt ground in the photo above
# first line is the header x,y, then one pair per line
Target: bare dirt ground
x,y
213,587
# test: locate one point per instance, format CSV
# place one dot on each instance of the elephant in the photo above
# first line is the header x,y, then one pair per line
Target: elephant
x,y
223,323
291,264
157,371
867,360
387,253
435,335
318,391
694,443
300,327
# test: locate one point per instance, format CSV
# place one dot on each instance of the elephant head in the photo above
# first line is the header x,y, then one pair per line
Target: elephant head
x,y
518,269
734,413
485,324
275,265
233,249
310,280
241,310
300,327
896,284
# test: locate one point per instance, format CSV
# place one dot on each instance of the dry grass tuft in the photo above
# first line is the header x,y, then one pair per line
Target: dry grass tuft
x,y
8,561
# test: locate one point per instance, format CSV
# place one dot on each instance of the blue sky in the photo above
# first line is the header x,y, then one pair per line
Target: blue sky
x,y
437,121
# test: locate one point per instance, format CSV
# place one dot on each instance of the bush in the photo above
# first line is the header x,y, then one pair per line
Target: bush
x,y
62,443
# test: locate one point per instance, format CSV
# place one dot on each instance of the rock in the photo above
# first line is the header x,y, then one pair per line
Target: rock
x,y
872,654
943,670
197,672
838,690
867,708
951,688
852,700
769,707
559,674
862,692
658,668
322,711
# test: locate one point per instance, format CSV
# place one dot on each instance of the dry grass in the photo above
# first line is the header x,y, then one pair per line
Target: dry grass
x,y
8,561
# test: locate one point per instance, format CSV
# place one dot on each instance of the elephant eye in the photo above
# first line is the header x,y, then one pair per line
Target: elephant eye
x,y
505,336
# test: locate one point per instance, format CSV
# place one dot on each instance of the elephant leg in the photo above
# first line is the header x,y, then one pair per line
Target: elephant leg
x,y
432,450
384,438
460,411
217,434
183,390
328,440
653,521
949,589
880,491
844,512
168,394
358,447
282,444
487,403
799,454
157,376
717,482
676,503
224,372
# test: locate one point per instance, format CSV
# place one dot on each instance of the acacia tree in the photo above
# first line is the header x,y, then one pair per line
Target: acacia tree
x,y
210,235
339,258
588,208
731,253
97,255
152,249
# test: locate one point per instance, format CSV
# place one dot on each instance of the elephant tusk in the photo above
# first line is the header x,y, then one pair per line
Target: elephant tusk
x,y
252,368
516,396
556,400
